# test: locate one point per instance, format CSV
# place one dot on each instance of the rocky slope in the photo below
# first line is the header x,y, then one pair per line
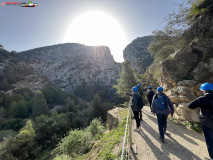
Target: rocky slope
x,y
138,55
68,65
15,74
189,67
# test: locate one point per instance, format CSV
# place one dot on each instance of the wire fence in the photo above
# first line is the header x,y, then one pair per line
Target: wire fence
x,y
127,142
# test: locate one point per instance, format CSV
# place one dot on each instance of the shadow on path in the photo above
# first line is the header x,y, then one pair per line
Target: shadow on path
x,y
133,154
171,145
176,131
155,150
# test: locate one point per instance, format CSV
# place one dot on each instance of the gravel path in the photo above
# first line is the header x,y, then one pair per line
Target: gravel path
x,y
180,142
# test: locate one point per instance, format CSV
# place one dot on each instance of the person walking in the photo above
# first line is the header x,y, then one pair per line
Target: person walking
x,y
150,94
140,101
135,105
162,106
206,104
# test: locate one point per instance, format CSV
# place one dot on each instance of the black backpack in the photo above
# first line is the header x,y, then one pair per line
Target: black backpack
x,y
150,95
211,116
140,103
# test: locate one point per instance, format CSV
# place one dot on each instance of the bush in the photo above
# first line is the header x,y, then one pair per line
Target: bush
x,y
96,129
78,142
62,157
12,123
7,133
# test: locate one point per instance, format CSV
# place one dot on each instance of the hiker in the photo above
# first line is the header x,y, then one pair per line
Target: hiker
x,y
160,107
150,94
135,105
141,99
206,104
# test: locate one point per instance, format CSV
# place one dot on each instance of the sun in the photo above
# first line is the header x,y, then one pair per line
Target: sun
x,y
96,28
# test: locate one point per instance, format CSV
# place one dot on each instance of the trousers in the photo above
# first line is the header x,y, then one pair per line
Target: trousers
x,y
208,134
137,119
162,124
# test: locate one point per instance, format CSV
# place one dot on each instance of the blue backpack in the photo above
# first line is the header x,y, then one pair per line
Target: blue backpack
x,y
161,102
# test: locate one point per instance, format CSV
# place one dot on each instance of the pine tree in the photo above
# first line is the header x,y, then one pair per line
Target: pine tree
x,y
26,134
18,109
98,107
39,105
126,80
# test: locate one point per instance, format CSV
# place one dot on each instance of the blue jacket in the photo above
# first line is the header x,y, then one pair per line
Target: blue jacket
x,y
155,110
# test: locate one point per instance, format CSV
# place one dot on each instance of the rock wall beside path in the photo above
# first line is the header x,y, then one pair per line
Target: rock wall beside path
x,y
195,62
184,71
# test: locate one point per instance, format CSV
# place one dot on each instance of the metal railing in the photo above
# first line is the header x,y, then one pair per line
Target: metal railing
x,y
127,135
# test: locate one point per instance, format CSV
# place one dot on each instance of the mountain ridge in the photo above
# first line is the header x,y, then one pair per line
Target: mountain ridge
x,y
69,64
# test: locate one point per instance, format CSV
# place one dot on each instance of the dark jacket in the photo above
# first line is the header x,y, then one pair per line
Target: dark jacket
x,y
206,104
150,94
154,108
140,91
135,105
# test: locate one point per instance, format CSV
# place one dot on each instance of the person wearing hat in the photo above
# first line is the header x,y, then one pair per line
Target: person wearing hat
x,y
205,103
162,106
135,105
141,100
150,94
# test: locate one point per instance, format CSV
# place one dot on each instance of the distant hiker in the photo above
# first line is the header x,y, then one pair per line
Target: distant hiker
x,y
206,104
150,94
160,107
135,105
140,101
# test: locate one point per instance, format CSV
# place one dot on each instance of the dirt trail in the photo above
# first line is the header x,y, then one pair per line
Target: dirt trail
x,y
180,143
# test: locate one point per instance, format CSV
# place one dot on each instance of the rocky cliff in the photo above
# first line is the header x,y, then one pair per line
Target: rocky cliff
x,y
68,65
188,68
138,55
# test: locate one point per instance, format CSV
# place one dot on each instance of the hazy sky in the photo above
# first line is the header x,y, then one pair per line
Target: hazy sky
x,y
26,28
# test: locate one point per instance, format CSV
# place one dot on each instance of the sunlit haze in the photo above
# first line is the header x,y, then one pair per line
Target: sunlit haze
x,y
97,28
112,23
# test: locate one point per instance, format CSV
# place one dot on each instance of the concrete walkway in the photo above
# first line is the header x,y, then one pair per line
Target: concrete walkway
x,y
180,142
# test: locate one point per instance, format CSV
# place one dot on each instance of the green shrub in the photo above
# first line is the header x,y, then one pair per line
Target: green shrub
x,y
96,129
12,123
6,133
62,157
78,142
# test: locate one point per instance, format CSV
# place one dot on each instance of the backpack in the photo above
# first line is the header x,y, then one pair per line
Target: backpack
x,y
140,103
211,117
150,95
161,102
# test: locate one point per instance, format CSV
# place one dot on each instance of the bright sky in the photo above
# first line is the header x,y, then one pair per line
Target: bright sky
x,y
55,21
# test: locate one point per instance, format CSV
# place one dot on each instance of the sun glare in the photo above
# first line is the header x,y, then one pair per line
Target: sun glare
x,y
96,28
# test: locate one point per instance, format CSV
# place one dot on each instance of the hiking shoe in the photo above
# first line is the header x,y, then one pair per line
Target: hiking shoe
x,y
161,139
137,129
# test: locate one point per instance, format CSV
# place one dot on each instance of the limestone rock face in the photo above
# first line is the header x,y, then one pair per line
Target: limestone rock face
x,y
189,68
138,55
195,61
68,65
